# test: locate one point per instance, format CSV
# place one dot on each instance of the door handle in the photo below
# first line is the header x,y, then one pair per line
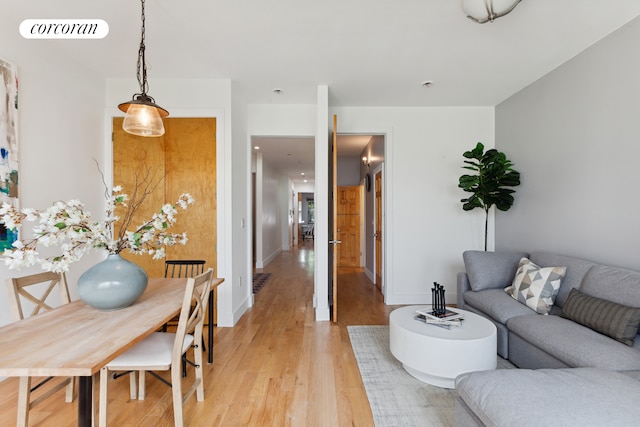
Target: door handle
x,y
335,242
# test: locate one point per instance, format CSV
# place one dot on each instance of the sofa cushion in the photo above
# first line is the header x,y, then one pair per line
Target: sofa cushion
x,y
617,321
536,286
574,344
496,304
491,270
551,397
576,270
613,284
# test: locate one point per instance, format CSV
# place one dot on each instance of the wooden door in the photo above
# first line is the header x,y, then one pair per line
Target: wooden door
x,y
378,228
334,242
185,159
348,226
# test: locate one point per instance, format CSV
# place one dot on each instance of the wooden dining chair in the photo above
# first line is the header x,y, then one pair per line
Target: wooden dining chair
x,y
28,296
163,351
183,268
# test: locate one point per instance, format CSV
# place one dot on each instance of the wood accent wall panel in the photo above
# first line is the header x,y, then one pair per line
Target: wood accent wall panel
x,y
132,155
186,157
190,164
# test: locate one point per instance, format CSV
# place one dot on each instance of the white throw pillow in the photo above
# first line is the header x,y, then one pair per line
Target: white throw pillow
x,y
535,286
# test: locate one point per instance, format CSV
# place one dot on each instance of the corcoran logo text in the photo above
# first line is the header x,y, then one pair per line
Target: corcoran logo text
x,y
64,29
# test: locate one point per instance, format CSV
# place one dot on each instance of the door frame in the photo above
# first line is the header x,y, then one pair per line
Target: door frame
x,y
374,172
224,219
387,197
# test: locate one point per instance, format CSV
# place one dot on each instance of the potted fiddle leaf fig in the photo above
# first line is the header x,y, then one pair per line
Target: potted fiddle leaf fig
x,y
491,184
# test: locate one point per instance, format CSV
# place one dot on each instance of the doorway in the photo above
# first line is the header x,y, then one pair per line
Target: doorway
x,y
283,200
359,161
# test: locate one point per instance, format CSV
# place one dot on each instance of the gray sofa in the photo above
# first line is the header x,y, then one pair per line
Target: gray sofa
x,y
577,397
563,353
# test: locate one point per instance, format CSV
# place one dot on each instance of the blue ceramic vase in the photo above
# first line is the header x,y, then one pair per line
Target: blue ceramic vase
x,y
112,284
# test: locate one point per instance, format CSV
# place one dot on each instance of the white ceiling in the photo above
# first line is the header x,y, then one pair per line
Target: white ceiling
x,y
369,52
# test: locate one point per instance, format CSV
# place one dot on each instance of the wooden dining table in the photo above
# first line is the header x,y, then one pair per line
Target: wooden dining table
x,y
77,340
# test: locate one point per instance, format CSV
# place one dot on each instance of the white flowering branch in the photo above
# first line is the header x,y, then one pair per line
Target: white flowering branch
x,y
72,227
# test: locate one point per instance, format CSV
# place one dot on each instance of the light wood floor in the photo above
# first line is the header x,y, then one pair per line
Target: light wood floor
x,y
276,367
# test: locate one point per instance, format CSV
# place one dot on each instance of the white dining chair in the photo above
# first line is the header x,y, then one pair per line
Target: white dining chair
x,y
31,295
162,351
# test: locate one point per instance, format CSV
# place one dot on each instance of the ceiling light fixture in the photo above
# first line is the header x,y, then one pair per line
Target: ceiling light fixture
x,y
143,116
483,11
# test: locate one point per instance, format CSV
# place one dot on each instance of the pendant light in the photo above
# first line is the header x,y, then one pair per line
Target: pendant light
x,y
143,116
482,11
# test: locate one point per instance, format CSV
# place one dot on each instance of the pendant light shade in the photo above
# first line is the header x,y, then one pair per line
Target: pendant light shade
x,y
143,116
482,11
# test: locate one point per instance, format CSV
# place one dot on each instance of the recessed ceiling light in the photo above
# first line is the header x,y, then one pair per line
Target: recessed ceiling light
x,y
302,173
427,83
256,148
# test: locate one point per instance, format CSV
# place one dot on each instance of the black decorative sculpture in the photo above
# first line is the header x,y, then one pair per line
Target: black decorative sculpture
x,y
437,299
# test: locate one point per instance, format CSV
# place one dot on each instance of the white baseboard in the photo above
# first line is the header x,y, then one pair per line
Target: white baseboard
x,y
322,314
369,274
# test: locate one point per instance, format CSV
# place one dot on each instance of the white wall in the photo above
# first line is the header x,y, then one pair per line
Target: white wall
x,y
303,187
281,120
426,229
60,133
237,221
323,129
269,220
574,137
285,205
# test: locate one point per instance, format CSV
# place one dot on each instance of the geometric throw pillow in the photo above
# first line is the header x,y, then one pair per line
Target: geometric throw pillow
x,y
617,321
535,286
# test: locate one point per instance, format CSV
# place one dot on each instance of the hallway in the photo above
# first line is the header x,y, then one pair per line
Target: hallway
x,y
276,367
359,302
309,374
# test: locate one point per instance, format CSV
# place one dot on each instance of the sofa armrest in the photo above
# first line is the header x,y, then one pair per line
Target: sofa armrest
x,y
462,286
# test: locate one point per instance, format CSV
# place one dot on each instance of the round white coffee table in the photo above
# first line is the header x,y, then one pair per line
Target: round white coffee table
x,y
437,355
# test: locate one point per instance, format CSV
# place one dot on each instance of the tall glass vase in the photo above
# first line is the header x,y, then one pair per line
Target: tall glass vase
x,y
112,284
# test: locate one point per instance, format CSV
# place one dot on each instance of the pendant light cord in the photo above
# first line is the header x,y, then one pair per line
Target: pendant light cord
x,y
142,66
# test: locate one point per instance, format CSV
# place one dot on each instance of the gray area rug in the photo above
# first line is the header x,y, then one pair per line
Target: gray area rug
x,y
396,398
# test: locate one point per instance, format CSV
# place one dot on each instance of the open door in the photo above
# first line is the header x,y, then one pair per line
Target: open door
x,y
333,195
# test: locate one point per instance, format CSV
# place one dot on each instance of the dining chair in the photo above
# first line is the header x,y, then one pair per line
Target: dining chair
x,y
308,233
183,268
162,351
32,293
